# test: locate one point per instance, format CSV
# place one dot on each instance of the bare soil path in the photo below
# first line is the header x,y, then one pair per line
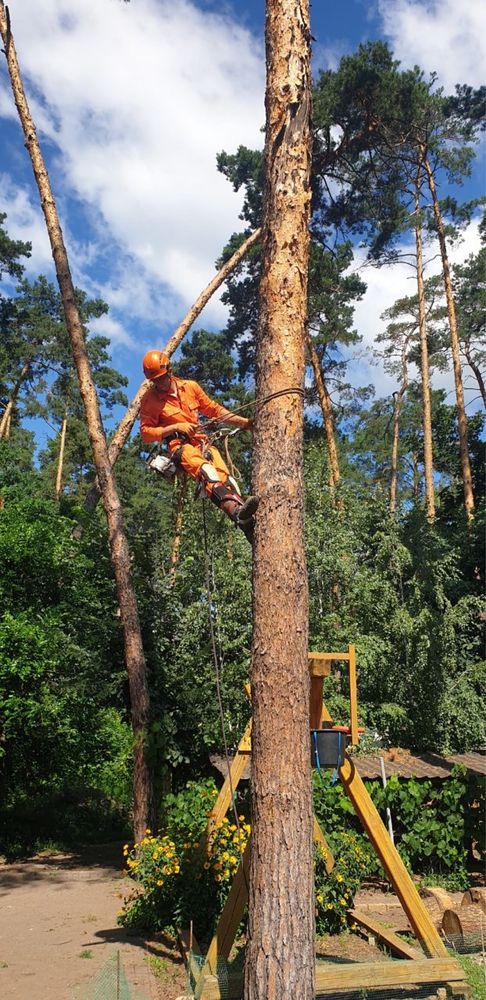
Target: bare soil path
x,y
58,929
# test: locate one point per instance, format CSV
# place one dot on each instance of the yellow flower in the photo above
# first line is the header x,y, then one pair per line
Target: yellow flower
x,y
148,830
160,882
241,818
233,860
339,877
217,878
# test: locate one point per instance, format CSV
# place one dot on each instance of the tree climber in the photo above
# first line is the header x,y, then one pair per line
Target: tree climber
x,y
169,412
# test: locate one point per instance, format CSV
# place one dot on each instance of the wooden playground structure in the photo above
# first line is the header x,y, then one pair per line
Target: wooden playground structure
x,y
428,964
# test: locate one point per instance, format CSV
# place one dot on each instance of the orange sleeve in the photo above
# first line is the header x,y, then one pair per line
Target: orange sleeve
x,y
208,406
149,425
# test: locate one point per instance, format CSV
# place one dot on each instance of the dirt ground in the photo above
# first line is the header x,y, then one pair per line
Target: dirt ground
x,y
58,930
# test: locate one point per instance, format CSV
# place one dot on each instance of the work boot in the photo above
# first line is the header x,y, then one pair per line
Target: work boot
x,y
241,512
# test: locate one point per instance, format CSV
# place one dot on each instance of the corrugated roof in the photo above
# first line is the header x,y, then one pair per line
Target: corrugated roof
x,y
397,761
427,765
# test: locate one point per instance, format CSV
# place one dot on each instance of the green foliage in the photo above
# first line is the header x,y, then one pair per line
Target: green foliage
x,y
334,892
178,879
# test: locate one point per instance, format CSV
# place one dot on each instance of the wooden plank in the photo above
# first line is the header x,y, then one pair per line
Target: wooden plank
x,y
392,940
395,973
353,696
231,781
229,922
319,668
329,656
419,918
320,839
357,975
315,707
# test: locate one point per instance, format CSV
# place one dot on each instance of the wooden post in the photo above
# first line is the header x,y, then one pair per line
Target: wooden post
x,y
353,696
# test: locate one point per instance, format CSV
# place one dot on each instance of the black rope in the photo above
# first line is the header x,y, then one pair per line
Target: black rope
x,y
216,650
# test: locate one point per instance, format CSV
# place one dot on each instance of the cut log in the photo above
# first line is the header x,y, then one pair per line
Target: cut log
x,y
441,897
475,896
468,925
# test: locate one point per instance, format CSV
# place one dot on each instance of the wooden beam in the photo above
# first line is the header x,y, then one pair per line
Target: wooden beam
x,y
353,696
394,973
320,839
357,975
231,781
315,708
228,924
419,918
389,938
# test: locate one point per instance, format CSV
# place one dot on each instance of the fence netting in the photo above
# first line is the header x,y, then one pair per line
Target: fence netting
x,y
469,951
109,983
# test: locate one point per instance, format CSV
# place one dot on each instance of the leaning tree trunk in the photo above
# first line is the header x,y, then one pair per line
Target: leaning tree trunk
x,y
7,413
476,371
424,365
120,556
456,358
280,950
396,431
60,460
124,428
326,407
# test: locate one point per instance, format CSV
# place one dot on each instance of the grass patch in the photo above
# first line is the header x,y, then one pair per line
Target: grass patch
x,y
475,974
85,954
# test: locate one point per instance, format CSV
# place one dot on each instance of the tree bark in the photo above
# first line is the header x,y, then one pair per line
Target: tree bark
x,y
60,461
326,407
120,556
280,957
456,358
123,430
396,431
424,362
7,413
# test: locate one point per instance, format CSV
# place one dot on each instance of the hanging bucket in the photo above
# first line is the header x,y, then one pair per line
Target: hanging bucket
x,y
327,748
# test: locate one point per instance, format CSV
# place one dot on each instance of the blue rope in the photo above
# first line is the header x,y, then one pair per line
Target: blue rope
x,y
335,773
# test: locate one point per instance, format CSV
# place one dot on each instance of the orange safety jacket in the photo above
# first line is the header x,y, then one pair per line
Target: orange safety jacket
x,y
161,410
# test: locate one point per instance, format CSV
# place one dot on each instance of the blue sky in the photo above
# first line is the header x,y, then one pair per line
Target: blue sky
x,y
134,101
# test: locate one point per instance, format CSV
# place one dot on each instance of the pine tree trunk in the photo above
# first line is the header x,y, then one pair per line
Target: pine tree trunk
x,y
124,428
326,407
456,358
60,460
176,541
120,556
476,371
424,365
280,957
7,413
396,431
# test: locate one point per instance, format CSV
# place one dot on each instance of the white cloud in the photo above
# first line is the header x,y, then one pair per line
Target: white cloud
x,y
138,99
107,326
442,35
25,222
384,286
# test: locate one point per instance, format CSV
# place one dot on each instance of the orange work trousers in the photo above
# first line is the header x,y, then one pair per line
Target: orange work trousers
x,y
192,458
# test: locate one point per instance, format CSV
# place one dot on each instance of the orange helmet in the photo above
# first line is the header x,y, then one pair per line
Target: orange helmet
x,y
155,364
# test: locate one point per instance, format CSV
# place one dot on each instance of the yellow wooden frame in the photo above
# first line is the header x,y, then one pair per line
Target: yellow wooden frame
x,y
414,969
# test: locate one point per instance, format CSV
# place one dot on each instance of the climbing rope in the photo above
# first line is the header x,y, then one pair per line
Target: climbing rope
x,y
216,649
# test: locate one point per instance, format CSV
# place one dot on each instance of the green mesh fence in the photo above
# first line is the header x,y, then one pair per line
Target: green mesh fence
x,y
429,991
109,983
